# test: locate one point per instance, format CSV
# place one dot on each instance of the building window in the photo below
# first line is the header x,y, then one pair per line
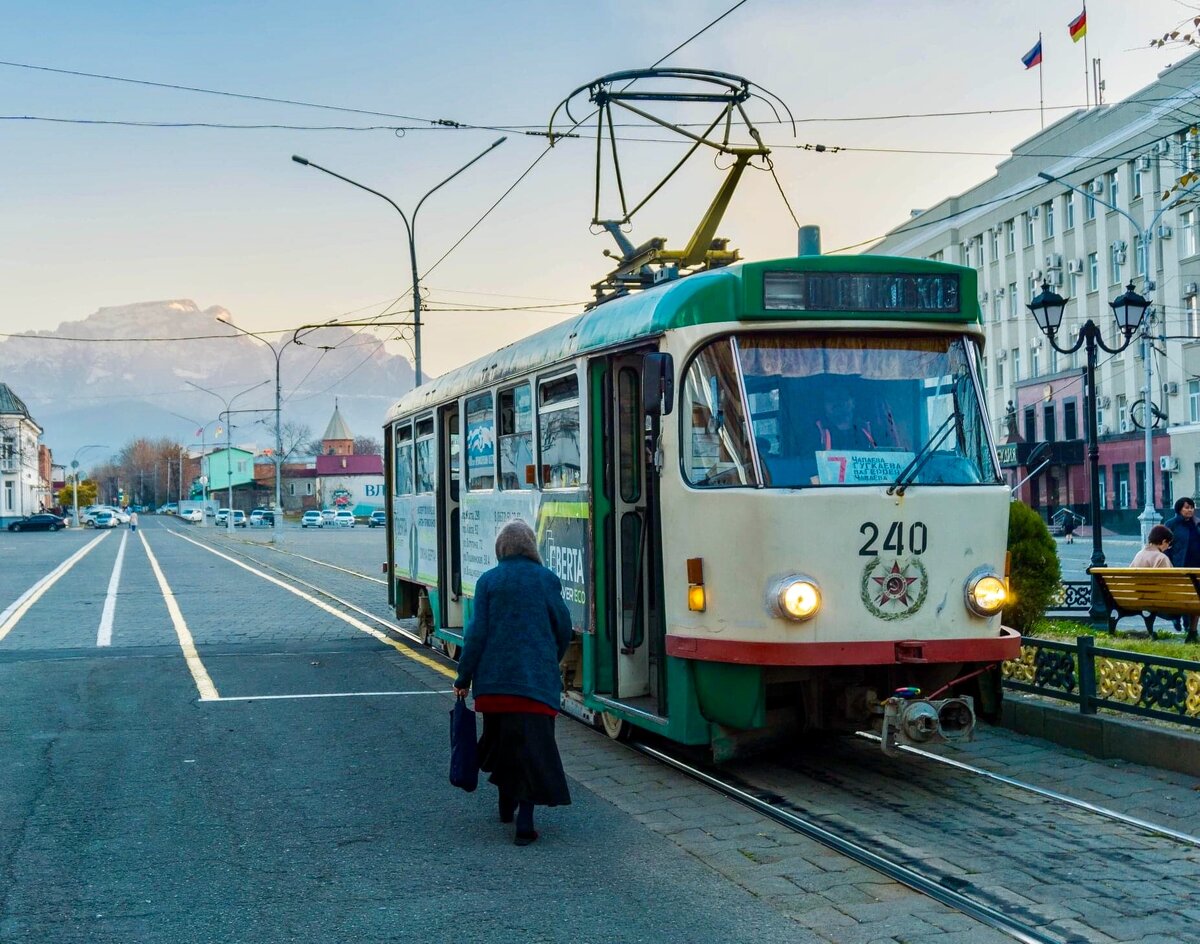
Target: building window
x,y
1012,300
1121,479
1070,423
997,308
1053,361
937,256
1193,315
1010,238
1074,285
1000,373
1187,223
1093,271
308,488
1103,487
1089,204
994,237
1194,401
1048,219
1113,187
1030,424
1035,362
1115,258
292,489
1122,413
1048,425
1027,222
1016,362
8,496
1070,200
1137,184
1139,251
964,252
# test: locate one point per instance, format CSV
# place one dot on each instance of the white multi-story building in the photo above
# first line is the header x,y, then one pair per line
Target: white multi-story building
x,y
1019,230
21,488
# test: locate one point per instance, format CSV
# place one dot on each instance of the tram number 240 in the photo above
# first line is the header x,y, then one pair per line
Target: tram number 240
x,y
918,538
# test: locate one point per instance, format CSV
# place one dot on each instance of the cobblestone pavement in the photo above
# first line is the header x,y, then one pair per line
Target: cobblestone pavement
x,y
818,894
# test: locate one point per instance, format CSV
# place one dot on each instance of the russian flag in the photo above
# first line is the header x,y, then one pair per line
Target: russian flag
x,y
1033,57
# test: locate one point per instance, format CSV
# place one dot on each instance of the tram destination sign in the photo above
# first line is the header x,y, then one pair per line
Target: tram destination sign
x,y
862,292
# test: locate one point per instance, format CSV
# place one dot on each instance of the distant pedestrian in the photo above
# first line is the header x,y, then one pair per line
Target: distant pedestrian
x,y
1069,527
512,648
133,521
1154,554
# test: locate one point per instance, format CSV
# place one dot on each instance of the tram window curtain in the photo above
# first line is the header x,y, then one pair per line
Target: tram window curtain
x,y
481,443
404,460
516,438
872,357
558,433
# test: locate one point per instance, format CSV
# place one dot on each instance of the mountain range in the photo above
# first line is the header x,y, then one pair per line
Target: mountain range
x,y
99,381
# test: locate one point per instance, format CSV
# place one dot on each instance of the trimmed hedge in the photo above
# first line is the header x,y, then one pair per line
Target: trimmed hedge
x,y
1034,572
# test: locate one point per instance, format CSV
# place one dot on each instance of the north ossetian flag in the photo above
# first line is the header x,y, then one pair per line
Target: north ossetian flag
x,y
1078,26
1033,57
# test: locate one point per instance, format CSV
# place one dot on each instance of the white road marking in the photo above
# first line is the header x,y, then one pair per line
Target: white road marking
x,y
104,635
204,683
11,616
321,604
427,691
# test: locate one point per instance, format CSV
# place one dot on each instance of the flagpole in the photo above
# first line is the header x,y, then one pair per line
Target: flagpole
x,y
1087,95
1041,88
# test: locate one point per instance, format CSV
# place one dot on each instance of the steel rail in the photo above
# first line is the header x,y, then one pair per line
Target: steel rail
x,y
311,560
860,854
1144,825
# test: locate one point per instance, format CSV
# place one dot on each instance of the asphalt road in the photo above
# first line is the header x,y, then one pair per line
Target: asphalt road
x,y
202,755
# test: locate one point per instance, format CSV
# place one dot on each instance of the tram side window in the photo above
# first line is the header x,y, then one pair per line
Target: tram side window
x,y
516,438
404,460
717,448
426,465
481,443
558,432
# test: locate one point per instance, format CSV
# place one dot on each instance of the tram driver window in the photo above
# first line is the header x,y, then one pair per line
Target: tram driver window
x,y
516,438
558,433
404,460
717,442
481,443
425,466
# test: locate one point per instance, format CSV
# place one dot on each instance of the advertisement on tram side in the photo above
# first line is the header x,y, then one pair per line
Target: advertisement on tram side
x,y
415,521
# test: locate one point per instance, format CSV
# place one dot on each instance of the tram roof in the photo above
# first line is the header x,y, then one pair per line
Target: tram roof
x,y
703,298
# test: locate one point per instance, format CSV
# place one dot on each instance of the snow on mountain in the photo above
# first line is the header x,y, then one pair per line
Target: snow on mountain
x,y
99,380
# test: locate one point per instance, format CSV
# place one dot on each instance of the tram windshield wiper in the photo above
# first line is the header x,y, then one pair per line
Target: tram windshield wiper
x,y
909,473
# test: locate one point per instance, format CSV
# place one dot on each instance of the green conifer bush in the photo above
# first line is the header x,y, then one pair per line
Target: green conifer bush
x,y
1034,573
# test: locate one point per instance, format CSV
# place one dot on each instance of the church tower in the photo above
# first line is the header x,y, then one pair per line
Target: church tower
x,y
338,440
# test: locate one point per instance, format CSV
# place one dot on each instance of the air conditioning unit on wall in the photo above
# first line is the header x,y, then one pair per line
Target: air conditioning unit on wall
x,y
1162,147
1171,388
1126,426
1168,464
1075,266
1103,402
1144,162
1096,186
1054,260
1164,232
1191,289
1103,431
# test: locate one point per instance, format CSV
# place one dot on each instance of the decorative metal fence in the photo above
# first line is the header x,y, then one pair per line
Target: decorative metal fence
x,y
1130,682
1074,596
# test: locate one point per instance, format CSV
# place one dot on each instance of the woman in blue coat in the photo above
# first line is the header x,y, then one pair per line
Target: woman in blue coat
x,y
518,635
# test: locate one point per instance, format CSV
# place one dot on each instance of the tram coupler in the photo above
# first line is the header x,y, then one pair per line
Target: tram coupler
x,y
919,721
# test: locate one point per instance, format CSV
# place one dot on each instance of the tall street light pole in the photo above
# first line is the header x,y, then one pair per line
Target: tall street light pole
x,y
75,476
410,230
277,529
1128,309
228,439
1145,235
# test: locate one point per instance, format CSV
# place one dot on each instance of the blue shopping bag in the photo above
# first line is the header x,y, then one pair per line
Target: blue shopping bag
x,y
464,754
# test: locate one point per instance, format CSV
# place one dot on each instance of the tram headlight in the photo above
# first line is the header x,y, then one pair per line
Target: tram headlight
x,y
986,592
797,597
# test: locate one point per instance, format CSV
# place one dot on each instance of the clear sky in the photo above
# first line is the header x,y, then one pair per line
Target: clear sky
x,y
103,215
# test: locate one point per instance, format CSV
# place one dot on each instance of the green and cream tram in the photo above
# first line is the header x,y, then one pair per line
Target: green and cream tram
x,y
769,490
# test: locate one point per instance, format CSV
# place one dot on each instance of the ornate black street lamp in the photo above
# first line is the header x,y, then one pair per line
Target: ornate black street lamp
x,y
1129,309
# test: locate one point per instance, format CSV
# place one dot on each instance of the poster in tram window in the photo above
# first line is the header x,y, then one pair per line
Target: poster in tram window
x,y
415,539
865,467
564,541
481,517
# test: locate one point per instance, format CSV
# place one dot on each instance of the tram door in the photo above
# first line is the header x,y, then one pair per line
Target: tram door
x,y
450,558
632,541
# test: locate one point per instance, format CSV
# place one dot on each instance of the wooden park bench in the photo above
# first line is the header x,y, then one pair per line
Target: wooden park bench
x,y
1149,592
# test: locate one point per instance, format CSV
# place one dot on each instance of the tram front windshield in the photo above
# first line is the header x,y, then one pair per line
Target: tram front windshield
x,y
791,410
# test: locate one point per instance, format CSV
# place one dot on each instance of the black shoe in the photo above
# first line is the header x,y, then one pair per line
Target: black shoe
x,y
524,839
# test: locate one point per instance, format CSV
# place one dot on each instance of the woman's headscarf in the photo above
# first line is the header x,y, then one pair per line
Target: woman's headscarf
x,y
516,539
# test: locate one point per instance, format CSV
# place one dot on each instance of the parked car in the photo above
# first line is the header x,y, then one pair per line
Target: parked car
x,y
44,522
222,517
328,515
312,519
120,514
378,519
344,518
239,519
169,508
194,515
256,516
263,518
104,519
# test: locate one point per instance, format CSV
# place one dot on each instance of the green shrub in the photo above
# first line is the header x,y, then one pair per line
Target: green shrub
x,y
1034,572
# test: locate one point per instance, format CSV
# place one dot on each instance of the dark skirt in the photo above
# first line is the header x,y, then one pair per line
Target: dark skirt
x,y
519,752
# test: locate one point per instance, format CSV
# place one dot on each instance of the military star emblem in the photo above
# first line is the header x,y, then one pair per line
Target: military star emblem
x,y
894,585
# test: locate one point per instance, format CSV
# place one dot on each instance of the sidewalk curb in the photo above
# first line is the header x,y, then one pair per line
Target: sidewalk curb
x,y
1104,736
